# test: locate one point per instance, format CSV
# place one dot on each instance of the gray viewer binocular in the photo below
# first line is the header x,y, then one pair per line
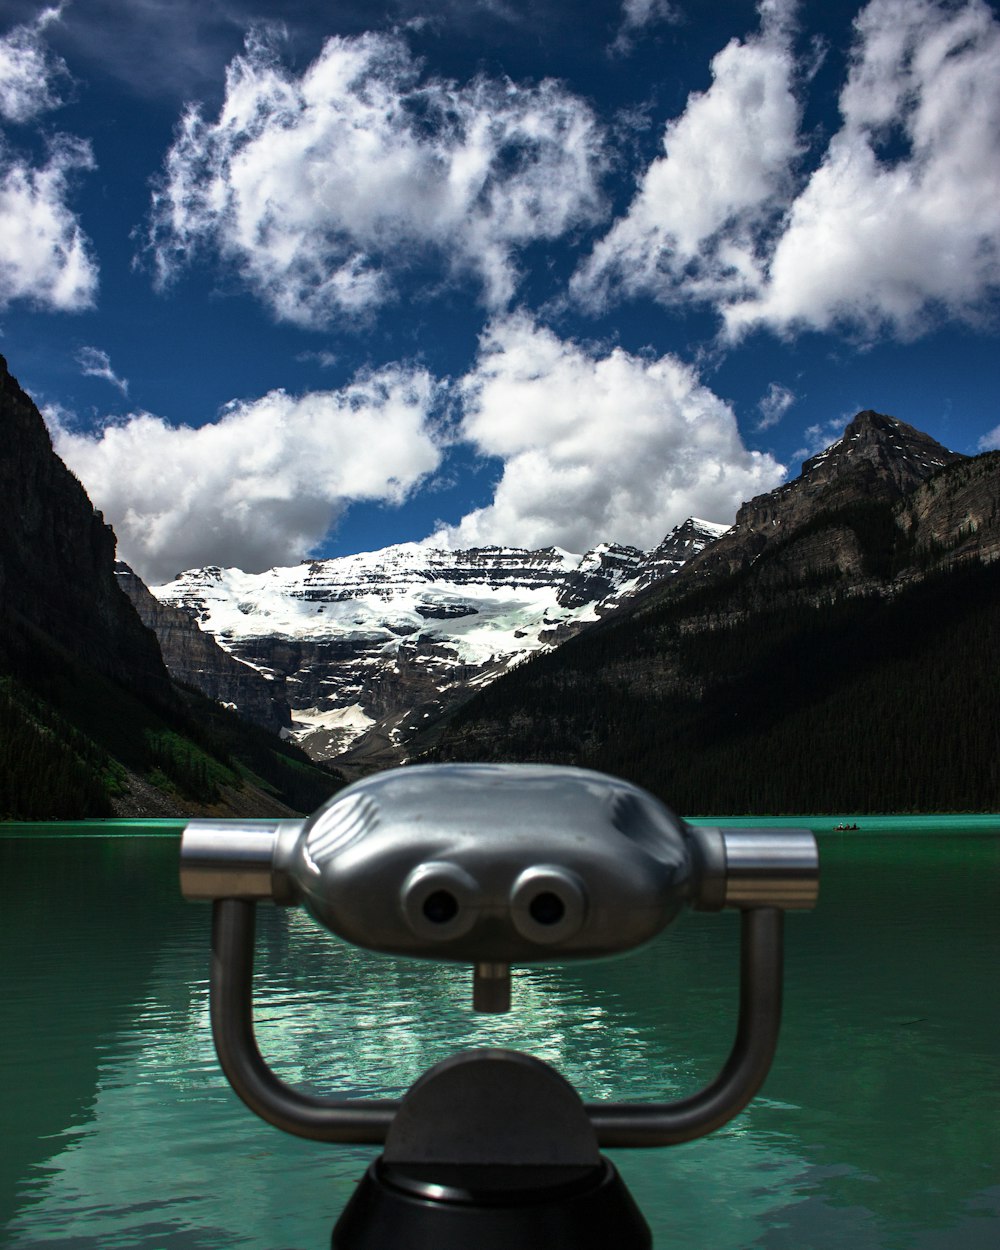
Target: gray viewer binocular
x,y
491,865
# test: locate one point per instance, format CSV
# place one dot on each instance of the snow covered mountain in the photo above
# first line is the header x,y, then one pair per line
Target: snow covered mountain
x,y
368,648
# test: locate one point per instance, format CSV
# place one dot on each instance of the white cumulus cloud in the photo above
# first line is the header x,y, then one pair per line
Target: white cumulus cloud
x,y
28,71
319,188
263,484
892,226
45,257
694,228
900,222
597,445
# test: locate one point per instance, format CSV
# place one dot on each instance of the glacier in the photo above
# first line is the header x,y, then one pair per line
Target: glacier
x,y
371,647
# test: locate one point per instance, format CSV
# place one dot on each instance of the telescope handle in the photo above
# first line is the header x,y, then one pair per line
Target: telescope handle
x,y
367,1121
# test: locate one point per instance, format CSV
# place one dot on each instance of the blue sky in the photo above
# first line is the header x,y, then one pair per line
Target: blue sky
x,y
298,279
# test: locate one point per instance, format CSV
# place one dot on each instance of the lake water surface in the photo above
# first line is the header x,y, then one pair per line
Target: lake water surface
x,y
878,1129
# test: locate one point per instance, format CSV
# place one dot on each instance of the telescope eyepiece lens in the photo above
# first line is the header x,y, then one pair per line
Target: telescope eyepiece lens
x,y
548,904
441,901
547,908
440,907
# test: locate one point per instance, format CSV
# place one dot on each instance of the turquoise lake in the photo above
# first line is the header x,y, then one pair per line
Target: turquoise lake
x,y
878,1128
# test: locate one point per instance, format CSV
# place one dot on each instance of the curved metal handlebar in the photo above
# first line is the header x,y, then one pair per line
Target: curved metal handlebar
x,y
667,1124
367,1120
231,1006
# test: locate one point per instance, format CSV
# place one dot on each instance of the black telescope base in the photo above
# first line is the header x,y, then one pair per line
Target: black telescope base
x,y
408,1206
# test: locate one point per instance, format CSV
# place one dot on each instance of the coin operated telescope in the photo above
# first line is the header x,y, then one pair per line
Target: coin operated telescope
x,y
491,865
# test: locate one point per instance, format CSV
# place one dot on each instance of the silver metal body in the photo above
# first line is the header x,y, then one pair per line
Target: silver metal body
x,y
489,865
497,863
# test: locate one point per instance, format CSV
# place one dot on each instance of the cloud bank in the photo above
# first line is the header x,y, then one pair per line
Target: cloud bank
x,y
320,188
597,445
262,485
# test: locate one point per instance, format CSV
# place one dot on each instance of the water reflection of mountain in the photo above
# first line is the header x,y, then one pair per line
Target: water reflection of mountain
x,y
878,1125
332,1014
341,1020
169,1158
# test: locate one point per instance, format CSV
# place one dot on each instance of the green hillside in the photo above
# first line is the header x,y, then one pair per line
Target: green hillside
x,y
75,744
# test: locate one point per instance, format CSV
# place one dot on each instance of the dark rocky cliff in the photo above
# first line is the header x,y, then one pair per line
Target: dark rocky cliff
x,y
196,659
954,516
57,560
879,460
91,724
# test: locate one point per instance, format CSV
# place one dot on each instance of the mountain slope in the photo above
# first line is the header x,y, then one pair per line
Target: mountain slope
x,y
877,462
833,651
92,724
57,560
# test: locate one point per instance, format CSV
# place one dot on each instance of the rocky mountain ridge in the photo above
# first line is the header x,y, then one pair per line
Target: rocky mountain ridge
x,y
879,460
834,650
838,640
373,650
368,648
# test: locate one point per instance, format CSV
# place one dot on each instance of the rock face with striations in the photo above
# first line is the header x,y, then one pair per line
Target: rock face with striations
x,y
879,460
57,577
955,516
194,658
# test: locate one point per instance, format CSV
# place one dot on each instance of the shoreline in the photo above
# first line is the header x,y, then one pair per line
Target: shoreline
x,y
985,824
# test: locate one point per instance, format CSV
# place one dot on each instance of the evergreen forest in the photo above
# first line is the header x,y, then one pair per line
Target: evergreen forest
x,y
72,741
859,703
